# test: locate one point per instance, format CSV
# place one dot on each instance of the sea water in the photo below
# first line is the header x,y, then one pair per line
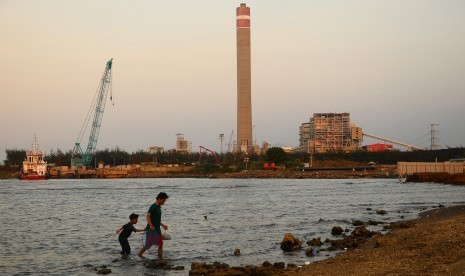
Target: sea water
x,y
61,227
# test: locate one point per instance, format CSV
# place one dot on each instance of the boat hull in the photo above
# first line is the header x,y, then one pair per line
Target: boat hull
x,y
32,177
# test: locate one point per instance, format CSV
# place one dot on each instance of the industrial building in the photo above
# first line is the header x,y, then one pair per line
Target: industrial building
x,y
183,145
329,132
304,133
244,97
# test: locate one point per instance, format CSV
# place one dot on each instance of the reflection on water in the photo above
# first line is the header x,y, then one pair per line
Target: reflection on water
x,y
60,226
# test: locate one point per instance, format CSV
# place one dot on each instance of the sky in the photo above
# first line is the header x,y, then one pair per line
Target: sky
x,y
396,66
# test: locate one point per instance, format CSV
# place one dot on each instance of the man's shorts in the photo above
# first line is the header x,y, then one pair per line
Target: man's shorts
x,y
153,239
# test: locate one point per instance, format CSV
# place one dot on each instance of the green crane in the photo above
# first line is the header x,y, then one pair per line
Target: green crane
x,y
79,157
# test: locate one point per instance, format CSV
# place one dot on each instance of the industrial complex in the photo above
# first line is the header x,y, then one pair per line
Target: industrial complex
x,y
321,133
332,132
324,132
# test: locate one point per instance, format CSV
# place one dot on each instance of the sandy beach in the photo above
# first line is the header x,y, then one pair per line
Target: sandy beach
x,y
434,244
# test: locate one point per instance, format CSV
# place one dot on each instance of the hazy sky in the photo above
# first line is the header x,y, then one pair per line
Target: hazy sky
x,y
396,65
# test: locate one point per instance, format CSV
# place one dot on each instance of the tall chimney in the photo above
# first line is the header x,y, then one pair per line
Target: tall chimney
x,y
244,94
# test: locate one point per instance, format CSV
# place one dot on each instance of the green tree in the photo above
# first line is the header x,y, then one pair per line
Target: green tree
x,y
276,155
14,156
59,158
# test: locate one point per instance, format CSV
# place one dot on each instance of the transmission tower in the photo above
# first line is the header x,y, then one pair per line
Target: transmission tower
x,y
434,138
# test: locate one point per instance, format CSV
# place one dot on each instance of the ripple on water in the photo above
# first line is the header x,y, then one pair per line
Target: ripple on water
x,y
58,226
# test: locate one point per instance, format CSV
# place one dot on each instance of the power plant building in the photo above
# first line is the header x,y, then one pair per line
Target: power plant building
x,y
182,145
244,94
330,132
304,133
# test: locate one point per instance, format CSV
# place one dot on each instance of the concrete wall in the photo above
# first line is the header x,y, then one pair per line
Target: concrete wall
x,y
409,168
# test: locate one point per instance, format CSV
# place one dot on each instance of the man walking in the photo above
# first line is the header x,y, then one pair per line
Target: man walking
x,y
153,229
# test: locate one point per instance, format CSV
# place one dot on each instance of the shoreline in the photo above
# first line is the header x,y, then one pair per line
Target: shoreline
x,y
433,244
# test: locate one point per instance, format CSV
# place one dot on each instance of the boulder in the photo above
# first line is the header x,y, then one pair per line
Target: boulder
x,y
315,242
197,265
290,243
374,222
337,230
104,271
220,265
344,243
158,264
267,264
309,251
362,232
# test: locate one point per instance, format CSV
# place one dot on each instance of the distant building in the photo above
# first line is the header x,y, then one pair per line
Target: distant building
x,y
183,145
265,147
329,132
378,147
304,133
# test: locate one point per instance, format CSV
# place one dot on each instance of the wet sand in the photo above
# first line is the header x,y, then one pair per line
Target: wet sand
x,y
431,245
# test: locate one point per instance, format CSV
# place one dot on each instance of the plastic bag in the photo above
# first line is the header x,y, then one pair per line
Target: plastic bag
x,y
166,234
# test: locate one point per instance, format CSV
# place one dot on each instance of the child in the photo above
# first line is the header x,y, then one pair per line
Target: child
x,y
126,231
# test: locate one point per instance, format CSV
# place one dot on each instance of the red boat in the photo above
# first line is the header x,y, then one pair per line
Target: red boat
x,y
32,177
34,166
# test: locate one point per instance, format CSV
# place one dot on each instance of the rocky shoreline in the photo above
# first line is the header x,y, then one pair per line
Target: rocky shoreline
x,y
434,244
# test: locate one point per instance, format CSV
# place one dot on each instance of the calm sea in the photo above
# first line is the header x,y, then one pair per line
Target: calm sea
x,y
62,227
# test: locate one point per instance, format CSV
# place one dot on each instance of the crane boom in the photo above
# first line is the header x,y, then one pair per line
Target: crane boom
x,y
411,147
81,158
230,141
211,152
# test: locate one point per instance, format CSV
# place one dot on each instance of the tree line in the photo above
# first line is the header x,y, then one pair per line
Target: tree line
x,y
117,157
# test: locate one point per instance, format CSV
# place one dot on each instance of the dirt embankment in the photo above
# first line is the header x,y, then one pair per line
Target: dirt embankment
x,y
385,171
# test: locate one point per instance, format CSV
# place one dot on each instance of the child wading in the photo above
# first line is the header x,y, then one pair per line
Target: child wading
x,y
125,232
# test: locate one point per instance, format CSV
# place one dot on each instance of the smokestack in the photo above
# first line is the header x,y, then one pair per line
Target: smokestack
x,y
244,93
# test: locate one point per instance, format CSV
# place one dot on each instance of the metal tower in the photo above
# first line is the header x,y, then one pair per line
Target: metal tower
x,y
434,138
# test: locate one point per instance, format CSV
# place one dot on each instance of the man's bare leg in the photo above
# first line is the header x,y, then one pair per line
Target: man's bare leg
x,y
141,251
160,252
